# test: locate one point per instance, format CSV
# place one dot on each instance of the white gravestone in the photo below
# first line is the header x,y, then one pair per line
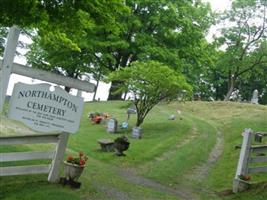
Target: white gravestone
x,y
112,125
45,110
255,97
136,132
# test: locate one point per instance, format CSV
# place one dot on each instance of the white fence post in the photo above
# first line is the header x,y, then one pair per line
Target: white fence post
x,y
242,168
9,53
59,155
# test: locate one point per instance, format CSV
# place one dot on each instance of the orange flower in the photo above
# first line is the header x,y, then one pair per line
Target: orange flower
x,y
81,160
70,158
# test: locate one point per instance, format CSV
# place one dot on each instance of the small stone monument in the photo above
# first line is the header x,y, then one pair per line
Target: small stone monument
x,y
130,111
255,97
112,125
137,132
172,117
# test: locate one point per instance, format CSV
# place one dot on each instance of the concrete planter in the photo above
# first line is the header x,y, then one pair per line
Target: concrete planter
x,y
72,171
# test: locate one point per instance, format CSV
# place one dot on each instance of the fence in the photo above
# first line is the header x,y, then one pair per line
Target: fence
x,y
247,157
60,139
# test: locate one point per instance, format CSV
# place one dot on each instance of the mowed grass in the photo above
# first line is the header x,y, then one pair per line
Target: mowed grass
x,y
231,119
169,152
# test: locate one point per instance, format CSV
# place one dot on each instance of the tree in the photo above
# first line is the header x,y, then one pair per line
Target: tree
x,y
244,41
70,48
150,83
66,30
164,30
3,34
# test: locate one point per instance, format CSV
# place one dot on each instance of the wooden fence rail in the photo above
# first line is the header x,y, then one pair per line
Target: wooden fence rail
x,y
246,158
7,67
55,156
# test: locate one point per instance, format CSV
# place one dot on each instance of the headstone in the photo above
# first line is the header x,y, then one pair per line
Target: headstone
x,y
136,132
112,125
255,97
131,111
172,117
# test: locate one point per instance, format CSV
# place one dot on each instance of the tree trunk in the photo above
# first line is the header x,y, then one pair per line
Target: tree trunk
x,y
97,83
125,94
139,121
112,95
231,85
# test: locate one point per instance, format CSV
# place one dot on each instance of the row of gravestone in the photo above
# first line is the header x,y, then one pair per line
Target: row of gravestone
x,y
112,127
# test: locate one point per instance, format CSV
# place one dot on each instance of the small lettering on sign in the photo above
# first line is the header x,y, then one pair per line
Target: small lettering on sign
x,y
44,110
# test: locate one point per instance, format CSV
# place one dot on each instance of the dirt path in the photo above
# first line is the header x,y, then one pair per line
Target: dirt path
x,y
202,171
181,193
198,174
168,154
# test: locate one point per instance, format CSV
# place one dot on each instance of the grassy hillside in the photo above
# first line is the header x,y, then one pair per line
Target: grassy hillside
x,y
172,159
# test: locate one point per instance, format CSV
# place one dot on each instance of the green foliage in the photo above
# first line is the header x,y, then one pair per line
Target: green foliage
x,y
149,83
70,45
170,32
244,41
3,34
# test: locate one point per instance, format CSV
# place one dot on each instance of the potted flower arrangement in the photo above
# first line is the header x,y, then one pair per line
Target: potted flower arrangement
x,y
121,144
74,166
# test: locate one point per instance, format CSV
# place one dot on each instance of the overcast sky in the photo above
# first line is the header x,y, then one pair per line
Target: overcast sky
x,y
219,5
216,5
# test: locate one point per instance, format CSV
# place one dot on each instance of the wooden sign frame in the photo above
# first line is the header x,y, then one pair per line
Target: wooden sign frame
x,y
61,139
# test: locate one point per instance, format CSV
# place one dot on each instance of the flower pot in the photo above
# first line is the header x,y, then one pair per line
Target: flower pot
x,y
121,144
72,171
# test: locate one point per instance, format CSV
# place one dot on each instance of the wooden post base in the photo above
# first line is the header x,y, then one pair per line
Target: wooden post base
x,y
240,185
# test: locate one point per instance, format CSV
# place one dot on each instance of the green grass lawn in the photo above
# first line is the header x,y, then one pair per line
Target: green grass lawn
x,y
169,153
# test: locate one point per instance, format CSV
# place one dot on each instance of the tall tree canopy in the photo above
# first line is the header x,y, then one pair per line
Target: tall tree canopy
x,y
164,30
244,40
63,29
171,32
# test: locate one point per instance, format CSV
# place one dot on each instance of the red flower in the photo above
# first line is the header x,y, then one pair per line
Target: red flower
x,y
82,162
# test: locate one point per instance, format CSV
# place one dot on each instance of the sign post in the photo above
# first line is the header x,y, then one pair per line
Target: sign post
x,y
9,54
41,109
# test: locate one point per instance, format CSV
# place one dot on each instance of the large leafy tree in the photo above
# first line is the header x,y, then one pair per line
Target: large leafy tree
x,y
65,30
244,40
168,31
150,83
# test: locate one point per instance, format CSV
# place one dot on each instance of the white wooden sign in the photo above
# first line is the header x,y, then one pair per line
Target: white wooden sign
x,y
44,110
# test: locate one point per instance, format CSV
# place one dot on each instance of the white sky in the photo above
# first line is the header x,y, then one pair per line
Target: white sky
x,y
219,5
102,93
